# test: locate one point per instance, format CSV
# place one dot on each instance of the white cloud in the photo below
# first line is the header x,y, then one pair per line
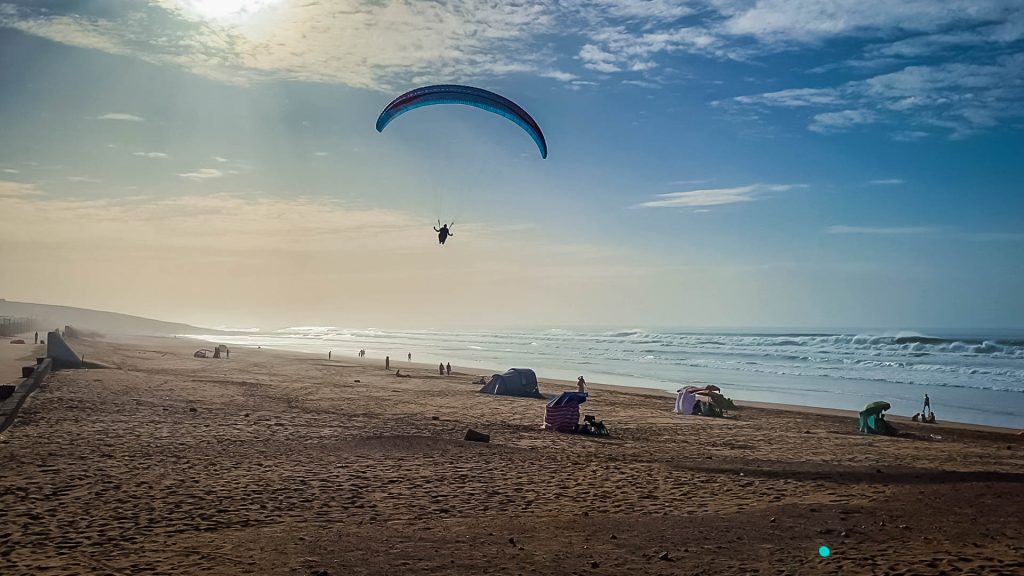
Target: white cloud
x,y
715,196
781,187
120,116
995,236
229,221
203,174
597,59
559,75
220,159
618,48
909,135
377,45
641,83
708,197
630,35
321,154
385,45
151,154
663,10
794,98
789,21
918,46
880,231
9,171
17,189
961,98
88,179
839,121
887,181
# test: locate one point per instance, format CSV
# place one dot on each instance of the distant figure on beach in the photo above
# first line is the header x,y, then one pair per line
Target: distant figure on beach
x,y
329,354
37,338
448,368
362,353
410,356
227,352
440,369
927,406
400,375
581,385
387,362
443,232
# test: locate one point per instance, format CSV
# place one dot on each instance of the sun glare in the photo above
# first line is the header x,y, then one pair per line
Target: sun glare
x,y
225,9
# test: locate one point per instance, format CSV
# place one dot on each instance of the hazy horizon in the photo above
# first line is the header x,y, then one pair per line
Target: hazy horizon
x,y
930,331
780,163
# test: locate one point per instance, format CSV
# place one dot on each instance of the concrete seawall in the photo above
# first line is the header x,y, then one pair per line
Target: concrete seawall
x,y
9,408
62,355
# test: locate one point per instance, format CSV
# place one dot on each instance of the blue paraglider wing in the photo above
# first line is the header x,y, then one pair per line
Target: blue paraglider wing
x,y
469,96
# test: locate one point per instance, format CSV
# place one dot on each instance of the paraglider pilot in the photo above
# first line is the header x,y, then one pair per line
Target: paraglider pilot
x,y
443,232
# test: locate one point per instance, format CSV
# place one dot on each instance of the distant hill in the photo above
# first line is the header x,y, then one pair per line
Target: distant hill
x,y
49,317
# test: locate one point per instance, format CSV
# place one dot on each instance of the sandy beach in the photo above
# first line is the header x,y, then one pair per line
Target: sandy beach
x,y
14,356
282,463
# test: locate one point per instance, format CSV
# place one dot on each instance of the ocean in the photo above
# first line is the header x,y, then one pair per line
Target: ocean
x,y
970,377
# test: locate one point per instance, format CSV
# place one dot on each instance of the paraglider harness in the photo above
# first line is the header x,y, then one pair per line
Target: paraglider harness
x,y
444,231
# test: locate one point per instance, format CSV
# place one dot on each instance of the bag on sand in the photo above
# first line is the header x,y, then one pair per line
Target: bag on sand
x,y
592,427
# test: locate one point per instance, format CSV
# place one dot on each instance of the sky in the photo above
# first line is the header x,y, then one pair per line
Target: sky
x,y
712,163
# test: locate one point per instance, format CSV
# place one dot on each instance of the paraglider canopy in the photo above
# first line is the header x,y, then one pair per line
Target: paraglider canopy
x,y
468,96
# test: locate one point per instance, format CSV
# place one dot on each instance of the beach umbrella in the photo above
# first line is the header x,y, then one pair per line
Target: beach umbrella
x,y
876,407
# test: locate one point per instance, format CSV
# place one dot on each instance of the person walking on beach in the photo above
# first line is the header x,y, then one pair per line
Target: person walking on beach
x,y
440,369
410,356
927,406
329,354
387,362
581,385
37,338
448,368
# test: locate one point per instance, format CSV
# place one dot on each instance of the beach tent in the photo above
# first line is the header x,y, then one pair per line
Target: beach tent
x,y
685,399
562,414
872,419
514,382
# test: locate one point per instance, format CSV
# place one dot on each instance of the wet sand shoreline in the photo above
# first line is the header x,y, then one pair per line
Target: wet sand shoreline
x,y
568,385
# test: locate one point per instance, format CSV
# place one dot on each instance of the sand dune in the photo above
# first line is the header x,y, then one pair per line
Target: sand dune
x,y
278,463
52,317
